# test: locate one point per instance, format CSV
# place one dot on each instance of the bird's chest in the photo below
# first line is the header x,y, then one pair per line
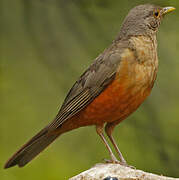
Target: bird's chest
x,y
138,73
136,76
141,69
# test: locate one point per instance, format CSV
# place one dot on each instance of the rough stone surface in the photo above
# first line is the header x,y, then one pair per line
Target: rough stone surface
x,y
117,172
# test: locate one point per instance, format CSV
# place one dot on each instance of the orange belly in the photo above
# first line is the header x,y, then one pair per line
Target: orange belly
x,y
122,97
112,104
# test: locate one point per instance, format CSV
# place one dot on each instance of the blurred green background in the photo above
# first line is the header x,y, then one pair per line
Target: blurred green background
x,y
44,47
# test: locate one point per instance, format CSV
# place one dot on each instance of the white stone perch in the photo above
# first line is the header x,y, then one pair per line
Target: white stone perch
x,y
117,172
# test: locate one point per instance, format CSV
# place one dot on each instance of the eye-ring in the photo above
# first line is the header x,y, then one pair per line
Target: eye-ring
x,y
156,13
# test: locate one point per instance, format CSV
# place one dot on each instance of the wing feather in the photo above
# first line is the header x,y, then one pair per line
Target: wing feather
x,y
75,105
91,83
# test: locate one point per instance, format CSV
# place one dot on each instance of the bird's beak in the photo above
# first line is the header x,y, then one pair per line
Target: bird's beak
x,y
166,10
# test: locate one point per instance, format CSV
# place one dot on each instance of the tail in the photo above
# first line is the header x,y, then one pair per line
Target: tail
x,y
31,149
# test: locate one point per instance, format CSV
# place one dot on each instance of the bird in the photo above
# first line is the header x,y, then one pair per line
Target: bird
x,y
112,87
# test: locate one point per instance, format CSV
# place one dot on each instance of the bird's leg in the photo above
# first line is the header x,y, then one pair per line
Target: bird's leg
x,y
109,129
99,130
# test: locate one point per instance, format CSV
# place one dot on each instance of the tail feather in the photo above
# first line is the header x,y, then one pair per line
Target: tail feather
x,y
31,149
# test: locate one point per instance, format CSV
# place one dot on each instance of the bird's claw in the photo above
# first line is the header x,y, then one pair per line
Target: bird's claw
x,y
115,161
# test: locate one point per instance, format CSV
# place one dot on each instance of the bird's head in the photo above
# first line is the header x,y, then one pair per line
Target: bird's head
x,y
143,20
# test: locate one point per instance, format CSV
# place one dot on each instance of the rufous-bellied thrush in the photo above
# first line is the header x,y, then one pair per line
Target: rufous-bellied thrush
x,y
113,87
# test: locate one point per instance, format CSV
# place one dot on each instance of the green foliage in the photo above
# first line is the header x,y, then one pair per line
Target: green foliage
x,y
44,47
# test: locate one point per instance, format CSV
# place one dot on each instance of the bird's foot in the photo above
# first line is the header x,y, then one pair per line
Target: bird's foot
x,y
112,161
122,163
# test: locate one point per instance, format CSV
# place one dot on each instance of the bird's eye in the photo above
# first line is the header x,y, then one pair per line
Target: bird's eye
x,y
156,14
